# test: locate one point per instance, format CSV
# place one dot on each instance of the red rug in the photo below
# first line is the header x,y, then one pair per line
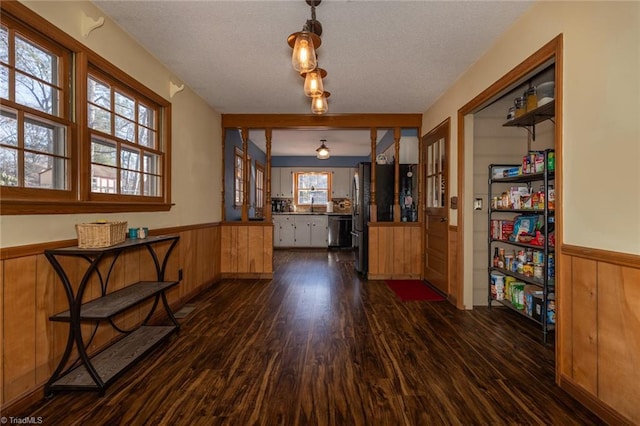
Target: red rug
x,y
414,290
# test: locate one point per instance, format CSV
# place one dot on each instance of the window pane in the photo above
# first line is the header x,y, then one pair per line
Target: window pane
x,y
99,119
4,44
130,159
125,129
146,116
103,179
8,128
125,106
99,93
4,82
8,167
152,185
129,182
44,137
44,171
35,61
151,164
146,137
103,153
36,94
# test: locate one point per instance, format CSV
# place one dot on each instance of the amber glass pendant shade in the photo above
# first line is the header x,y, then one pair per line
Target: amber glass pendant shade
x,y
303,58
313,82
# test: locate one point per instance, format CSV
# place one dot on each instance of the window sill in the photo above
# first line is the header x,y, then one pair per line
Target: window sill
x,y
29,207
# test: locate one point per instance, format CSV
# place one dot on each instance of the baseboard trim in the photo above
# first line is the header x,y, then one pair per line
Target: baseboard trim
x,y
247,275
590,401
381,277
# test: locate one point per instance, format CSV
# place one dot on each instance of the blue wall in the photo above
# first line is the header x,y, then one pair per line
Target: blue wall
x,y
233,140
314,162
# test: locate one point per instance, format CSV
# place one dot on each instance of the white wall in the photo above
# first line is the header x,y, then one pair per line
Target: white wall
x,y
196,137
601,131
601,109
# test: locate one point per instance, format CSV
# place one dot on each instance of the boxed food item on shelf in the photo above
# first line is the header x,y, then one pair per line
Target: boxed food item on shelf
x,y
531,292
501,229
518,196
497,286
517,294
513,171
508,281
499,172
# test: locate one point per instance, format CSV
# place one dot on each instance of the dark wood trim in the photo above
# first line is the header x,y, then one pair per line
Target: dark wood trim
x,y
599,408
599,255
247,223
553,49
394,224
380,277
39,248
24,207
247,275
327,121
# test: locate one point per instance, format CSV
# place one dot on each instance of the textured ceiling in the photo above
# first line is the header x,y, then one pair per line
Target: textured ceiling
x,y
387,56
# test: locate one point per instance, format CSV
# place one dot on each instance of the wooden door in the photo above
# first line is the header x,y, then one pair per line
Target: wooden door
x,y
436,223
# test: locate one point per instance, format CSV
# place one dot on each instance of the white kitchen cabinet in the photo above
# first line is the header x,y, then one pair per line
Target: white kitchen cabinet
x,y
281,182
284,231
319,232
303,231
341,182
275,182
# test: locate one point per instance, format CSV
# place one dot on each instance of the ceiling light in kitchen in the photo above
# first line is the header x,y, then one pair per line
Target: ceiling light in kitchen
x,y
322,151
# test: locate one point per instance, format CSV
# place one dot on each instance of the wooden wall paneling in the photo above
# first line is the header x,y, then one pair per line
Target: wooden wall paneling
x,y
188,258
253,242
385,251
416,253
408,243
217,244
618,310
243,247
584,320
564,306
267,256
19,325
374,243
45,282
225,248
398,248
132,267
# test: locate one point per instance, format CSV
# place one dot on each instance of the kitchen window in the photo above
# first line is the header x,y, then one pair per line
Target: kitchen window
x,y
312,188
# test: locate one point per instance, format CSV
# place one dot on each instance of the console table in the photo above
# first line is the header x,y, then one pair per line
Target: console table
x,y
98,371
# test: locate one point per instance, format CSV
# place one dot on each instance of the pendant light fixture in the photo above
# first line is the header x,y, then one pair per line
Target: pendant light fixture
x,y
305,60
305,42
313,82
319,103
322,151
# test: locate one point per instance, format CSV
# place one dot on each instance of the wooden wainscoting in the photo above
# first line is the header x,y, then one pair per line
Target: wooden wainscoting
x,y
30,292
598,345
247,250
394,250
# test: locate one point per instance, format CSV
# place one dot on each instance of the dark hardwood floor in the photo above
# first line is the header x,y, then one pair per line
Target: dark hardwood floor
x,y
318,345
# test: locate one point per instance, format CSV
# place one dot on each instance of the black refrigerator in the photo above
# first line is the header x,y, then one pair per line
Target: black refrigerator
x,y
361,194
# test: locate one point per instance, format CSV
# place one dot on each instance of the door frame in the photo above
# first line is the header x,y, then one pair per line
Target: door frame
x,y
440,131
552,50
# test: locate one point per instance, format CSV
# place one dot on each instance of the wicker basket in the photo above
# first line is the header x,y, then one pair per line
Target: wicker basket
x,y
96,235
